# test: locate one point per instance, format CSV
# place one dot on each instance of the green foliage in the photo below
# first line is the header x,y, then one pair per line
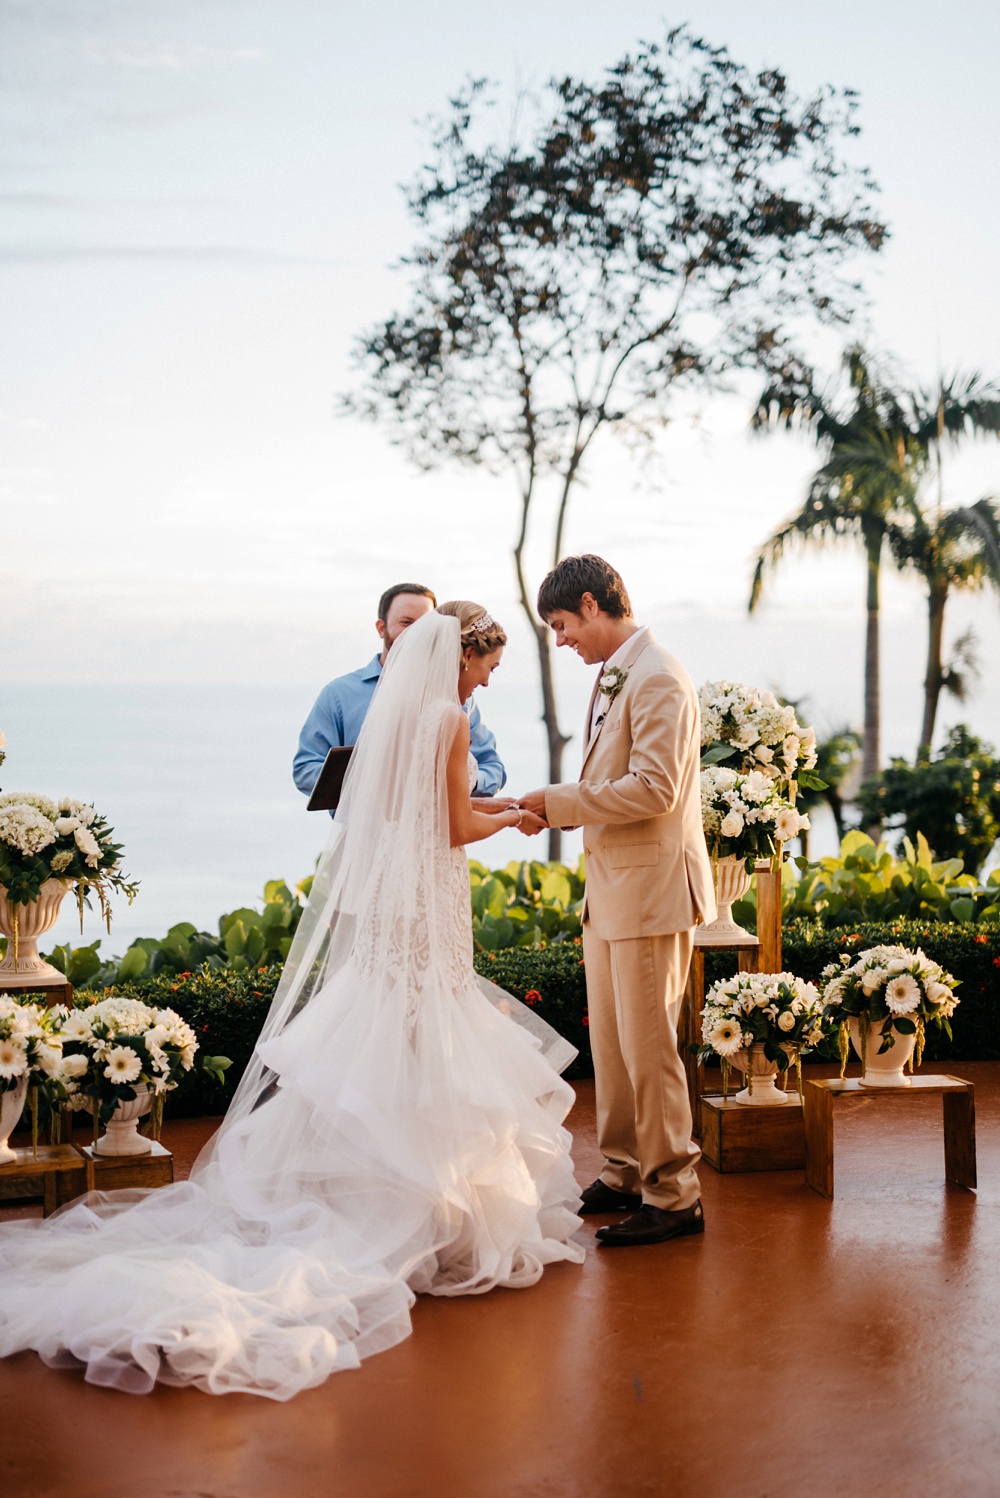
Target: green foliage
x,y
525,904
954,798
550,979
866,882
247,939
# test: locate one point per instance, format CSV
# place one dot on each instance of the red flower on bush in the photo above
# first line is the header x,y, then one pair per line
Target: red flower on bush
x,y
586,1020
996,962
532,996
981,940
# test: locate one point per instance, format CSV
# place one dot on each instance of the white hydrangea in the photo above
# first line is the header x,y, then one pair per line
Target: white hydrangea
x,y
42,804
24,827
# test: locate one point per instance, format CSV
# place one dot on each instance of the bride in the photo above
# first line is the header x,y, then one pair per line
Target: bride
x,y
398,1130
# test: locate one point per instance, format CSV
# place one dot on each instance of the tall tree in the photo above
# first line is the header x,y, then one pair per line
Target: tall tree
x,y
870,477
882,450
954,550
673,221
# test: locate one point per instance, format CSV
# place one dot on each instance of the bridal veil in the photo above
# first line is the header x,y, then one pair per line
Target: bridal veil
x,y
398,1130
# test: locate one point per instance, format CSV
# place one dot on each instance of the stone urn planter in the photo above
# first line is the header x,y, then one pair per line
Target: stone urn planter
x,y
122,1137
885,1070
765,1092
11,1108
32,921
731,883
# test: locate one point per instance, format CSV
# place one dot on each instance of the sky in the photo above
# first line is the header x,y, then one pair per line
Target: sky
x,y
200,209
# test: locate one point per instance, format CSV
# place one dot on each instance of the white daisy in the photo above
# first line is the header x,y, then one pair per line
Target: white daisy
x,y
13,1060
902,994
123,1064
727,1038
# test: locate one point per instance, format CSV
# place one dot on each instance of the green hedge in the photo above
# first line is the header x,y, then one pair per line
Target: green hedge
x,y
556,975
227,1009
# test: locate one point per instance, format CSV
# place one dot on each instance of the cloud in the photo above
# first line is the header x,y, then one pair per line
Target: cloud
x,y
65,254
130,54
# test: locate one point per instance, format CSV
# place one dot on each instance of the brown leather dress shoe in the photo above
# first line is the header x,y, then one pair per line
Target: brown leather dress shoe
x,y
598,1198
652,1225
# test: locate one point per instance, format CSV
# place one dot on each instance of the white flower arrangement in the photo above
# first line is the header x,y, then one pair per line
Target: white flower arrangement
x,y
30,1050
746,815
751,730
117,1045
894,989
42,839
777,1011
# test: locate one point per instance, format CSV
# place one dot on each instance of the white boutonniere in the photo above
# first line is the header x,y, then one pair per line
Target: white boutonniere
x,y
609,685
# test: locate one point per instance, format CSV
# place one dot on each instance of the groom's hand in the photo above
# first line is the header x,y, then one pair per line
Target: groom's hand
x,y
530,824
534,802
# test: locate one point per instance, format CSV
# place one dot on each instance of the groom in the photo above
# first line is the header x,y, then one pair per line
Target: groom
x,y
649,882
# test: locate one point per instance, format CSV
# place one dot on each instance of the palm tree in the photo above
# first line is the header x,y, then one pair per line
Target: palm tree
x,y
870,476
878,452
952,551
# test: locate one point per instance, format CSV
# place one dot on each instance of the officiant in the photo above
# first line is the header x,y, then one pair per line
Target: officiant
x,y
340,708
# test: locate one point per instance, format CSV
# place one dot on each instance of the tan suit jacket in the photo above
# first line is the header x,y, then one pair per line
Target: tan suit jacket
x,y
639,804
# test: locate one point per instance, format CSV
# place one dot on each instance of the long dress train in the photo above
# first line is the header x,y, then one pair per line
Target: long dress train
x,y
398,1131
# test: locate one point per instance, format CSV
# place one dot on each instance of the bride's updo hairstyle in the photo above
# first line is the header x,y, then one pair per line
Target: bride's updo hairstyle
x,y
479,628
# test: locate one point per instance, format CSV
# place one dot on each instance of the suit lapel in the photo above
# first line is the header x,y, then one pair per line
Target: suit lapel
x,y
590,737
636,648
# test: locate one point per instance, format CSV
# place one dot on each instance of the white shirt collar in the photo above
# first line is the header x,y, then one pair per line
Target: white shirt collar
x,y
621,652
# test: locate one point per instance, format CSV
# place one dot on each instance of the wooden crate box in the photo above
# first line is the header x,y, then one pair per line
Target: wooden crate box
x,y
736,1137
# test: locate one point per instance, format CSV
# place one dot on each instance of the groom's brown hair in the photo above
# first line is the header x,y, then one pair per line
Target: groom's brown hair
x,y
573,576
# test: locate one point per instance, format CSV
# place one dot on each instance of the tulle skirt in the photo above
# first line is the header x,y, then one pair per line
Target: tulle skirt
x,y
396,1153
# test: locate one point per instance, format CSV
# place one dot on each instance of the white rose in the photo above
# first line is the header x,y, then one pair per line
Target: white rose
x,y
48,1058
65,825
786,1020
732,825
938,993
74,1066
873,979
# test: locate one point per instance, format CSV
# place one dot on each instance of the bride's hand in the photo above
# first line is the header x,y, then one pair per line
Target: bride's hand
x,y
492,805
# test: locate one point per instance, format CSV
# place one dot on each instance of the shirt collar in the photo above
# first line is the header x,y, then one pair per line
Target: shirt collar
x,y
373,670
623,650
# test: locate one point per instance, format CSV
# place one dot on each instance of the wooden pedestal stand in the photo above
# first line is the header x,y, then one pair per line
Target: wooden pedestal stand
x,y
52,993
959,1108
59,1173
761,954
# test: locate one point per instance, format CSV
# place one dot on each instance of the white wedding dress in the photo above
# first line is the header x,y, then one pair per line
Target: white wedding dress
x,y
399,1129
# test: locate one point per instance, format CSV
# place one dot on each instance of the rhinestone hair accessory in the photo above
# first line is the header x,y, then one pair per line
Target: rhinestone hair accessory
x,y
482,625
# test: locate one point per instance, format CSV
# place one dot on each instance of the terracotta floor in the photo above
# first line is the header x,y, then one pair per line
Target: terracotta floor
x,y
802,1347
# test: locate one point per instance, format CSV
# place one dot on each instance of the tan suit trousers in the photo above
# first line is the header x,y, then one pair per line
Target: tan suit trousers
x,y
634,991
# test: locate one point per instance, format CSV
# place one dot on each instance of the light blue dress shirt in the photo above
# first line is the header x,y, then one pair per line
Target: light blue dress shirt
x,y
339,712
